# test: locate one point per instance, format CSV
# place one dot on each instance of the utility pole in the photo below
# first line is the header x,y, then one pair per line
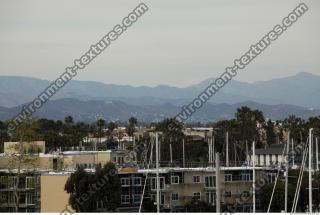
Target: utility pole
x,y
218,194
253,177
287,173
227,149
157,173
310,170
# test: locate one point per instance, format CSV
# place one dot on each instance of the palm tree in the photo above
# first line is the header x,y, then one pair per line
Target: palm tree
x,y
296,126
248,120
101,125
131,126
111,126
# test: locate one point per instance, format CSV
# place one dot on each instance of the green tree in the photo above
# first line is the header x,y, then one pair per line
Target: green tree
x,y
4,136
111,127
248,120
296,126
270,133
277,205
199,207
314,122
25,132
131,126
98,192
148,206
101,125
172,133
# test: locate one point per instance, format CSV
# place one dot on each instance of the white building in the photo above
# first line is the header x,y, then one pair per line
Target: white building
x,y
269,156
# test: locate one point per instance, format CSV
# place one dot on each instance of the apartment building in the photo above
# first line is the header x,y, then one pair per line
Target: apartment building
x,y
25,196
178,186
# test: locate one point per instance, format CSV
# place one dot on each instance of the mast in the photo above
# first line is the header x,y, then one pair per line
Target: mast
x,y
157,173
209,153
235,154
184,158
213,151
170,153
227,149
253,177
247,153
317,154
310,170
218,183
292,149
287,174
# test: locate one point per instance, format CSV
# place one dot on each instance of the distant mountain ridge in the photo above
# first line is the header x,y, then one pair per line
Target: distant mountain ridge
x,y
302,90
92,110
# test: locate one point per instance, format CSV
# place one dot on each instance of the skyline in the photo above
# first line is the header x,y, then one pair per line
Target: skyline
x,y
157,46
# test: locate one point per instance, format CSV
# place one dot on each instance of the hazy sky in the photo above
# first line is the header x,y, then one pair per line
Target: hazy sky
x,y
176,42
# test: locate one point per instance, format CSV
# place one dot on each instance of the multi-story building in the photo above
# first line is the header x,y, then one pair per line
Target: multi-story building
x,y
25,196
49,171
44,176
178,186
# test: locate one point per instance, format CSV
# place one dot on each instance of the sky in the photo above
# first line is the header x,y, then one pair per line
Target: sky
x,y
177,43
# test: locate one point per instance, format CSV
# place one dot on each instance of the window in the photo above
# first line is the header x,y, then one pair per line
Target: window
x,y
174,179
227,194
136,198
30,182
12,181
153,197
30,210
246,177
197,196
114,159
196,179
154,183
228,177
271,177
210,181
29,199
136,181
3,197
162,199
55,164
125,182
11,198
211,197
3,182
125,199
174,196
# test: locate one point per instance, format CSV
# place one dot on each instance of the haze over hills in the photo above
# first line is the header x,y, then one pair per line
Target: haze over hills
x,y
92,110
302,89
87,101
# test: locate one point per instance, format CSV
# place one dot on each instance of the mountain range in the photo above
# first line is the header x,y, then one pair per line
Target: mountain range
x,y
86,100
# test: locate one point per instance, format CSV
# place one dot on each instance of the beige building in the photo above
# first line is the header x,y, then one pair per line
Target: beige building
x,y
32,147
178,186
53,197
61,161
